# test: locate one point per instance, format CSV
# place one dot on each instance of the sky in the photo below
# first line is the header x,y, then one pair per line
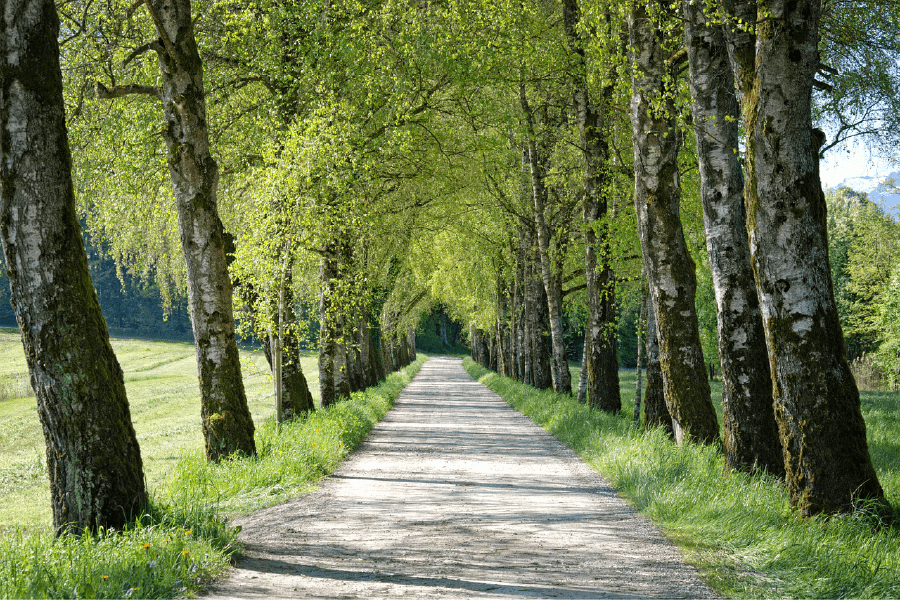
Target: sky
x,y
853,160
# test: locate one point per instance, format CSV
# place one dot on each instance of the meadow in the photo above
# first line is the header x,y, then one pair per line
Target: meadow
x,y
739,530
183,539
161,380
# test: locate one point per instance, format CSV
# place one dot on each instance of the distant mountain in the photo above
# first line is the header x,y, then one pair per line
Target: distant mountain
x,y
883,190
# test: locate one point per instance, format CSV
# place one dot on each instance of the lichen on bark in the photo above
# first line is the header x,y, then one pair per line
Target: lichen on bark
x,y
751,440
828,467
194,174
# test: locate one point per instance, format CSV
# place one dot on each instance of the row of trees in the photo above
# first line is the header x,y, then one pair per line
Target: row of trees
x,y
353,163
765,238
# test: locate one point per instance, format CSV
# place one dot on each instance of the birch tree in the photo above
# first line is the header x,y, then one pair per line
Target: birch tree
x,y
93,459
827,462
227,424
600,369
657,196
751,435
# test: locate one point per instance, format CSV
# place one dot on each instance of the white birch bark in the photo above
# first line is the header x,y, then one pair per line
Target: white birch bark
x,y
751,434
670,269
817,402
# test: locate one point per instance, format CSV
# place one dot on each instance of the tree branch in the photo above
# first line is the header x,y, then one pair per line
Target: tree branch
x,y
118,91
154,45
161,30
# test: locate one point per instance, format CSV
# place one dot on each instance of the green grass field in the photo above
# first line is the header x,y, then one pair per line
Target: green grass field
x,y
161,379
740,531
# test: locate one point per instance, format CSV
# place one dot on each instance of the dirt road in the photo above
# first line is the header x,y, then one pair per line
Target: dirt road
x,y
455,494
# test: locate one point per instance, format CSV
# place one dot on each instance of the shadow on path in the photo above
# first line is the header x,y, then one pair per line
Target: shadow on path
x,y
455,495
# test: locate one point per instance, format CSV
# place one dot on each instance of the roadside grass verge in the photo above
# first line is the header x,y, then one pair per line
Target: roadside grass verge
x,y
290,458
183,540
738,530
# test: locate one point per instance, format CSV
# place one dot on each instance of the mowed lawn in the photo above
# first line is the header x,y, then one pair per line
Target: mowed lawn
x,y
161,379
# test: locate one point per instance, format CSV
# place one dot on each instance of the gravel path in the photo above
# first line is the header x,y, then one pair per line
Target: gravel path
x,y
456,495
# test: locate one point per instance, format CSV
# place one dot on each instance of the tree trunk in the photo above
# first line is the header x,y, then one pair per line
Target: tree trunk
x,y
656,413
562,380
403,347
600,363
296,397
366,352
227,425
523,277
411,343
670,269
327,328
816,399
581,396
751,434
93,458
639,334
341,362
536,317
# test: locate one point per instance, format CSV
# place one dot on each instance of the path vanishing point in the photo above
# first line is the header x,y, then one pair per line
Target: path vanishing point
x,y
456,495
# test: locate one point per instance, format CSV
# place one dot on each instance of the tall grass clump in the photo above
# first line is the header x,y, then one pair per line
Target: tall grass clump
x,y
183,540
291,457
738,529
158,556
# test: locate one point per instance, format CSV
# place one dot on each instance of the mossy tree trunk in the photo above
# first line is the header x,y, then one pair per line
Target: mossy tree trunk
x,y
751,434
640,327
227,424
657,199
295,389
93,458
600,366
656,413
816,399
538,368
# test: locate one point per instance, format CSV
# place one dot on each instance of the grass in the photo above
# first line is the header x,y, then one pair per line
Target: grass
x,y
183,539
161,380
738,530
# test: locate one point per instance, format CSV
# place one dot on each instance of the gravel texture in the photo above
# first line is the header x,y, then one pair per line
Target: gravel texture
x,y
456,495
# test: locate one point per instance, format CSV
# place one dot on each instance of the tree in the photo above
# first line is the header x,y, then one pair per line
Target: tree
x,y
227,424
600,366
562,380
656,413
93,459
657,196
827,462
194,175
751,435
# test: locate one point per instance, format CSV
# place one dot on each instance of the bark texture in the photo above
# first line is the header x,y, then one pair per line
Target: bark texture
x,y
600,364
538,367
227,424
751,434
816,398
296,397
93,459
670,269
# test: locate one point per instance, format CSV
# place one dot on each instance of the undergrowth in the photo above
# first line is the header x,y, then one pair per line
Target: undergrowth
x,y
738,529
183,540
